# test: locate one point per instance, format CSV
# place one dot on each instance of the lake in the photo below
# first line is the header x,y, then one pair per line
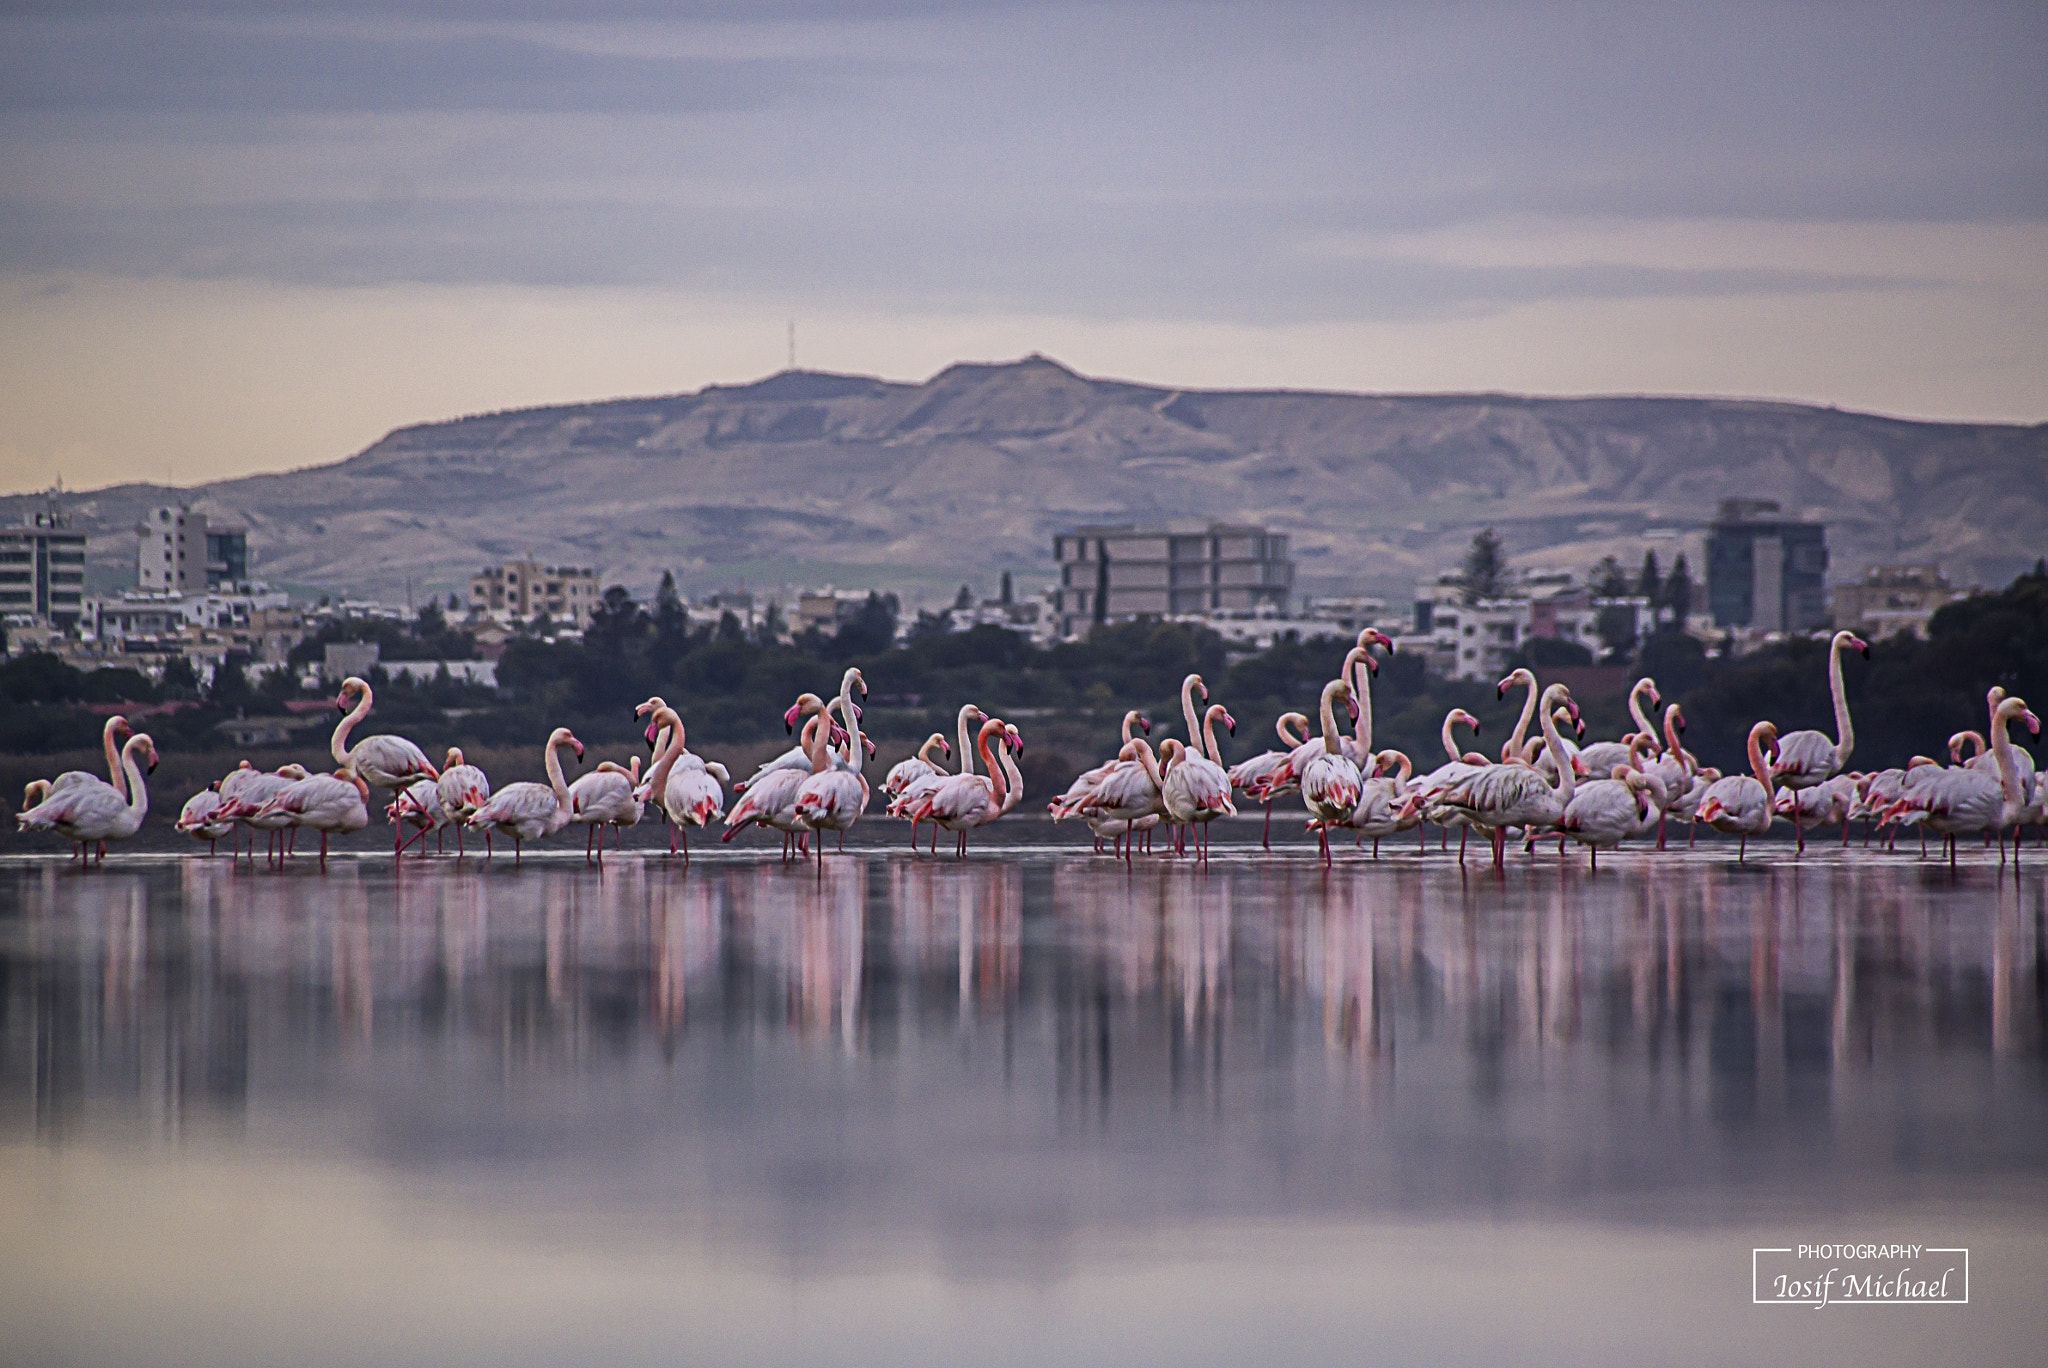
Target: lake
x,y
1021,1109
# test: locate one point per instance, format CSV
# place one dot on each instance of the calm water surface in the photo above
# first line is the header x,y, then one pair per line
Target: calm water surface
x,y
1025,1109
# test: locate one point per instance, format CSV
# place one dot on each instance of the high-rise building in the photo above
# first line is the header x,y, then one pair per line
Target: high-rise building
x,y
1765,572
42,571
1114,573
182,553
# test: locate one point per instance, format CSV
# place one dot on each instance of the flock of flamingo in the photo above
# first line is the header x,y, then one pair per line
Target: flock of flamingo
x,y
1598,795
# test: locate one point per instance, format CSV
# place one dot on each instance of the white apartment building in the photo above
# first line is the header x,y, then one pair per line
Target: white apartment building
x,y
181,553
523,588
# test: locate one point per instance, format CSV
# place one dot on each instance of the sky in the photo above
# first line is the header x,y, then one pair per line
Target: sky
x,y
239,236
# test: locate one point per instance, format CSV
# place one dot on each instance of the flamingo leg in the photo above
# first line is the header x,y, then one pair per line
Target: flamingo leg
x,y
1798,827
1741,849
323,852
1266,833
678,826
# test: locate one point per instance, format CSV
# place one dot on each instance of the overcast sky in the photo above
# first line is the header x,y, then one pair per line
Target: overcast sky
x,y
244,236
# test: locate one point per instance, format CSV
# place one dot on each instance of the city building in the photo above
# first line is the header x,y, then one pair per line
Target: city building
x,y
523,588
826,609
181,552
1766,573
1115,573
1477,641
1891,599
42,571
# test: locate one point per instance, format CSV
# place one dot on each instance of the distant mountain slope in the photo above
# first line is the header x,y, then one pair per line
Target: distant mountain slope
x,y
813,477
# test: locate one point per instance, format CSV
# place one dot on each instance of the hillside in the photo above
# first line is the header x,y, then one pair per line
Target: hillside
x,y
811,477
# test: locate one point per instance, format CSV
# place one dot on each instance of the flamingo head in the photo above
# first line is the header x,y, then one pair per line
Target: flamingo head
x,y
805,703
1230,723
1373,636
945,748
654,701
1851,639
651,735
1656,699
350,687
1144,724
148,749
867,745
1016,740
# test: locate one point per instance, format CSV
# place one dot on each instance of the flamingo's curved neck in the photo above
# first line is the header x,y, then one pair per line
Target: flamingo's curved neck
x,y
995,771
1635,709
1299,721
115,775
1671,739
1756,760
850,715
818,744
339,746
554,768
967,711
1130,721
2010,785
1150,764
1013,776
1451,742
1187,709
671,749
1209,746
924,752
1329,711
1362,690
138,794
1565,782
1528,711
1845,735
1955,745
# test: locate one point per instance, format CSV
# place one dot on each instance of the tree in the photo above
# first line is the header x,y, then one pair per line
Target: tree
x,y
1678,592
1649,583
964,599
1486,569
930,625
230,684
1609,579
179,680
768,631
729,628
871,630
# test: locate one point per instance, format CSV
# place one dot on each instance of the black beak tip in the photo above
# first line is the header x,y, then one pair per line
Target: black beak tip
x,y
1866,653
1499,693
788,728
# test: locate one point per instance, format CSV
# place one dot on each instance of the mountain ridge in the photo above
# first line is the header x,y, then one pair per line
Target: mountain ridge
x,y
808,476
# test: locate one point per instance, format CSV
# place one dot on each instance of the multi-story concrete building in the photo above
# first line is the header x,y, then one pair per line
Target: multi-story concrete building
x,y
524,588
1892,599
1766,573
42,571
1114,573
181,552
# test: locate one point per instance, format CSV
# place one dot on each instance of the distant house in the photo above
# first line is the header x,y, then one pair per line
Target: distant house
x,y
1891,599
256,731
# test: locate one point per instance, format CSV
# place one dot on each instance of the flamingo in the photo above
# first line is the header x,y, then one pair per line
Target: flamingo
x,y
463,789
833,800
1129,794
919,766
605,796
1985,760
1197,790
1807,757
1961,800
94,813
1825,804
1740,805
1426,794
328,803
1288,774
528,811
1500,796
388,762
688,793
419,806
914,793
1253,775
200,818
795,758
1671,774
1068,803
247,792
1383,807
1602,756
969,800
1330,782
116,727
770,798
1607,811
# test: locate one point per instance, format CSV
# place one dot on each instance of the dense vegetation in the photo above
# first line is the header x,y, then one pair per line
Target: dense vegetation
x,y
732,687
